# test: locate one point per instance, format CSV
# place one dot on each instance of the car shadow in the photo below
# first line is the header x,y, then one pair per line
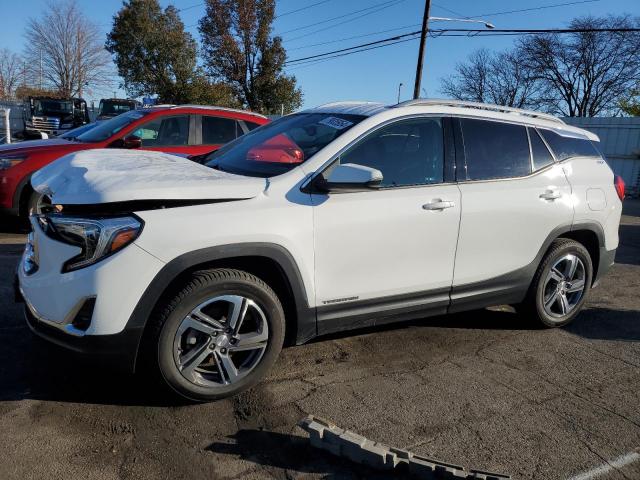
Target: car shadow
x,y
292,453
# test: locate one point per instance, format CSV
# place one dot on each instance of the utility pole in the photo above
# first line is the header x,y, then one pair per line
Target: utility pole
x,y
40,69
399,88
423,40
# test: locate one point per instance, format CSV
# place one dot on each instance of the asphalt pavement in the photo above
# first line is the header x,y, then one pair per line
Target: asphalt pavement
x,y
482,389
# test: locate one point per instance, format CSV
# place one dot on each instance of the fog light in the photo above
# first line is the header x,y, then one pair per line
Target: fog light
x,y
82,321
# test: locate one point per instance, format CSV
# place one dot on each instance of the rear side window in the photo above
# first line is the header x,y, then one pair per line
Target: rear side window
x,y
541,156
567,147
495,149
218,130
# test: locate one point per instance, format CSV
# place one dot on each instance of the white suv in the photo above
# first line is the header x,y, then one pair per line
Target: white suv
x,y
347,215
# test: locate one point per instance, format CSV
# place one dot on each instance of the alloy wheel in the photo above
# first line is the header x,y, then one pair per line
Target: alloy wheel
x,y
564,286
221,341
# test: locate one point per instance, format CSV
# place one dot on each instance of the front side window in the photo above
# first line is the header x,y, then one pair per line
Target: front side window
x,y
495,149
218,130
567,147
541,157
105,130
164,131
280,146
409,152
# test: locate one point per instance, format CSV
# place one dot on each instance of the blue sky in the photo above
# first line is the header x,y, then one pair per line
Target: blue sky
x,y
372,75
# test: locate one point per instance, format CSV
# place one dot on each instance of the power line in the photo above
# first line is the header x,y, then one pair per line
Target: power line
x,y
302,8
387,2
542,7
275,17
398,37
449,10
352,38
350,53
450,33
343,22
190,7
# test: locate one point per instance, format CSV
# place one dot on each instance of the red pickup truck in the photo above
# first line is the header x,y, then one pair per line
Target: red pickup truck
x,y
187,130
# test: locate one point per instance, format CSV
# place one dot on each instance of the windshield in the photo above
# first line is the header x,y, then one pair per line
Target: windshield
x,y
114,107
75,132
278,147
46,107
109,128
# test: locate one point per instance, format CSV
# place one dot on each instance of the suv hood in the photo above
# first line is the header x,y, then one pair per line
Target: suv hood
x,y
32,146
107,176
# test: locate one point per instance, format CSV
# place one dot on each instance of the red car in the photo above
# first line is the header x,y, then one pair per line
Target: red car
x,y
186,130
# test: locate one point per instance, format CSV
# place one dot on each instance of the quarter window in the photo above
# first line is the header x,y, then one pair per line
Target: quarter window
x,y
164,131
218,130
567,147
495,149
407,152
541,155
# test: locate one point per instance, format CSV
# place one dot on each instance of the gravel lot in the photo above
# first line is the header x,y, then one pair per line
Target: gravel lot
x,y
480,389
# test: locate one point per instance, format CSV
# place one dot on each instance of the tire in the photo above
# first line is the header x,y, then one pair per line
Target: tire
x,y
195,344
555,297
36,202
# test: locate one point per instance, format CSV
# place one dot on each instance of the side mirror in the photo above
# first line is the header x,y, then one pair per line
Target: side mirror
x,y
131,141
352,177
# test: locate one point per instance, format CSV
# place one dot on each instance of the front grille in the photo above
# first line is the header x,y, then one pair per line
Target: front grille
x,y
48,125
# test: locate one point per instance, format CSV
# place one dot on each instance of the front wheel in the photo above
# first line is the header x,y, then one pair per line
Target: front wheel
x,y
561,284
37,203
219,336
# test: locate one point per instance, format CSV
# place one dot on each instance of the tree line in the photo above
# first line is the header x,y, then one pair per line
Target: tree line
x,y
238,63
581,74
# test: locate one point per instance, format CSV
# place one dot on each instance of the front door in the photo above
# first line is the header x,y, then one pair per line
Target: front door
x,y
389,251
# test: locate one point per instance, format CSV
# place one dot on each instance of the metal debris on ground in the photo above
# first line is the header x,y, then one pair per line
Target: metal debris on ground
x,y
345,443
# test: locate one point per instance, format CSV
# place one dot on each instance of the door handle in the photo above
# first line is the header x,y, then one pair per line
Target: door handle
x,y
438,205
550,195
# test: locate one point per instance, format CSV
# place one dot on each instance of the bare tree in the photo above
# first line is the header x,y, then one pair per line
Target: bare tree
x,y
488,77
586,73
65,50
10,71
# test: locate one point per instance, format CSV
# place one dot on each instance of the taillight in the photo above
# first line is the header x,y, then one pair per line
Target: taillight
x,y
619,183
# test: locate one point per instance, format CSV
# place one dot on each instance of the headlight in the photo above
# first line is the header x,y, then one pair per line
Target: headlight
x,y
66,125
8,161
97,238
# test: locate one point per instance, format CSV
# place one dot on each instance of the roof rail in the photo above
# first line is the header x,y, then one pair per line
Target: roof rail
x,y
224,109
479,106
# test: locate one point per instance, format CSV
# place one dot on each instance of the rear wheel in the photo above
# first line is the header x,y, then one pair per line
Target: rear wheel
x,y
220,335
561,284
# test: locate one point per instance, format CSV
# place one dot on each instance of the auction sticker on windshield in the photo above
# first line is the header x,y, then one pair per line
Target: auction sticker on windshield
x,y
337,123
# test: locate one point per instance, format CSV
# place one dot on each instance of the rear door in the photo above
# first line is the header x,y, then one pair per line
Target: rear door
x,y
514,195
